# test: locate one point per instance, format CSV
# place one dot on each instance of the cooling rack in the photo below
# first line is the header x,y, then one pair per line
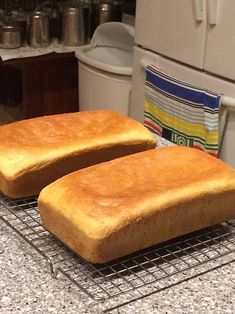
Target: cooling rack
x,y
144,272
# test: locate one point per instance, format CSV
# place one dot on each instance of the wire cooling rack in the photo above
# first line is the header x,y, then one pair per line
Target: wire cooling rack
x,y
145,269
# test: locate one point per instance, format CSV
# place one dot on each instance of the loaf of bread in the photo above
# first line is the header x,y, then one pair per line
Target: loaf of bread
x,y
121,206
37,151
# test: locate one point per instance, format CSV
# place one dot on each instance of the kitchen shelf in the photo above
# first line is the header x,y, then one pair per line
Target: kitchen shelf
x,y
131,277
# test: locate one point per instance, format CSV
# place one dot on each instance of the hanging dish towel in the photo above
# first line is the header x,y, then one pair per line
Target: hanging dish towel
x,y
181,113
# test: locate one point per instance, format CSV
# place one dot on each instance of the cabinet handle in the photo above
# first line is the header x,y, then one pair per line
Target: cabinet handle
x,y
212,12
198,9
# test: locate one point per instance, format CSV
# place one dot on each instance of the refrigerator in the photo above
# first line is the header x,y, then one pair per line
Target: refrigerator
x,y
194,41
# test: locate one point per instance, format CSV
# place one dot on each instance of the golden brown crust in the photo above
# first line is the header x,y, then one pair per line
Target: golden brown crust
x,y
36,152
117,207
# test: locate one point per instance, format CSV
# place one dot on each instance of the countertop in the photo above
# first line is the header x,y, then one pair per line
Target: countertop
x,y
27,51
26,286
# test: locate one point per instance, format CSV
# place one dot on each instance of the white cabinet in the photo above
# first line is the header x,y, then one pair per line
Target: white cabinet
x,y
220,43
200,33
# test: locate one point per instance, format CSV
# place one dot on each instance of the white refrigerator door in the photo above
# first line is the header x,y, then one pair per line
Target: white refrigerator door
x,y
174,28
220,44
195,77
187,74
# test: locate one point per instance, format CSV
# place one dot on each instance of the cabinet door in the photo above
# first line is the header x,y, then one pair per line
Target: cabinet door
x,y
174,28
220,45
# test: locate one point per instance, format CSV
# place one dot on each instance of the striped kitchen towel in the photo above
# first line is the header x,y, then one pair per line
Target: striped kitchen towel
x,y
181,113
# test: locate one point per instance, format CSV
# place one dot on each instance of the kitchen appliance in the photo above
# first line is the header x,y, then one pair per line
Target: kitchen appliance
x,y
104,11
38,29
10,37
107,11
193,41
75,25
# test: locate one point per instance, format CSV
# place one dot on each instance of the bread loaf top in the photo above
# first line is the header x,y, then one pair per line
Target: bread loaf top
x,y
35,142
103,198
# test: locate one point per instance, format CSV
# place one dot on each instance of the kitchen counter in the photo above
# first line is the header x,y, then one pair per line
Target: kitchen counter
x,y
27,51
27,286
